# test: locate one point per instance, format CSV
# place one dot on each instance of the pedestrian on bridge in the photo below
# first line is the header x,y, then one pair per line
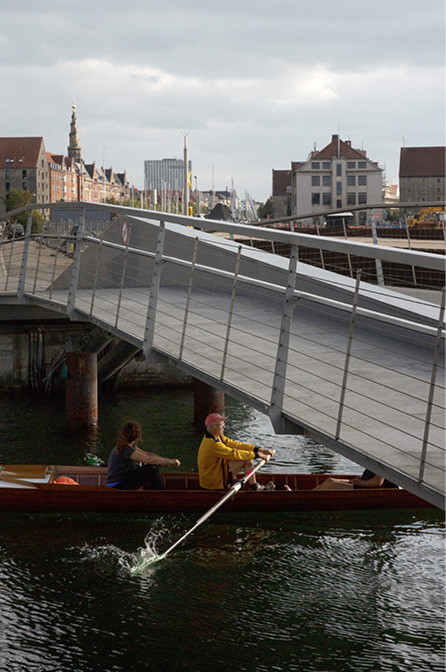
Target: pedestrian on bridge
x,y
221,459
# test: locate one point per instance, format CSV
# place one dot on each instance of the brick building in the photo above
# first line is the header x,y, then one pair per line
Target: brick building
x,y
24,166
51,178
422,174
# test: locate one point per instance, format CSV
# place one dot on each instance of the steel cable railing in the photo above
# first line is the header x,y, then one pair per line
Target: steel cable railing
x,y
228,292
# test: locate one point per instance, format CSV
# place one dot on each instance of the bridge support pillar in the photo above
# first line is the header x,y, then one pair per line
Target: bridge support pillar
x,y
206,400
82,389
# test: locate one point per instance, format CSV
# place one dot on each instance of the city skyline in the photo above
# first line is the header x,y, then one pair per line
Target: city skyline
x,y
255,85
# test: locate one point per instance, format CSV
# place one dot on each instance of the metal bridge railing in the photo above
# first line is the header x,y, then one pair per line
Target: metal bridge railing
x,y
322,352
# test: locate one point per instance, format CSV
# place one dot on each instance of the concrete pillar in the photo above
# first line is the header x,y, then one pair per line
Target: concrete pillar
x,y
82,389
206,400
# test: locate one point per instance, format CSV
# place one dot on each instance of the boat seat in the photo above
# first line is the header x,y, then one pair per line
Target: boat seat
x,y
23,475
25,470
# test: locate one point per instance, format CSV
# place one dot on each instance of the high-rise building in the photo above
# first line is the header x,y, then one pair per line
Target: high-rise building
x,y
165,174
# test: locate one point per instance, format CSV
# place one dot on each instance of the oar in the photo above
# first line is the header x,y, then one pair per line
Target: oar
x,y
231,492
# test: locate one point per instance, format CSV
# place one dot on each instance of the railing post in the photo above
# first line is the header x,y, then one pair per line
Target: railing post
x,y
321,250
96,276
24,264
378,262
189,294
53,273
123,271
149,333
347,355
432,387
279,379
231,312
348,255
414,275
75,270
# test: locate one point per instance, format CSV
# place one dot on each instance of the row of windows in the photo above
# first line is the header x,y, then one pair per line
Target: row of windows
x,y
24,186
325,180
326,165
352,199
8,174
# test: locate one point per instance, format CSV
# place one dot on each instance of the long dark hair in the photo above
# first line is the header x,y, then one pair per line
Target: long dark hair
x,y
129,432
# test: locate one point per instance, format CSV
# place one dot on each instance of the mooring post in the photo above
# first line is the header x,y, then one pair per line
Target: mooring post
x,y
206,400
82,389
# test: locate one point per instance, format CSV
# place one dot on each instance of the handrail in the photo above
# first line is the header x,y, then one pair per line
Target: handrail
x,y
385,253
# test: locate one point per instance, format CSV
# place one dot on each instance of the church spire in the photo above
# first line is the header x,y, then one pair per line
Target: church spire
x,y
74,148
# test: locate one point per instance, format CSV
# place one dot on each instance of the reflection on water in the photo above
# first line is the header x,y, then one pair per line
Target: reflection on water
x,y
312,591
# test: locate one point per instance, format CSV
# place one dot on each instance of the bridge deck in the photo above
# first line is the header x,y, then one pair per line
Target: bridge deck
x,y
383,417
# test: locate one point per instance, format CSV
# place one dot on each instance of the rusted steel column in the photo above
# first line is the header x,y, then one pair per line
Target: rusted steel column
x,y
82,389
206,400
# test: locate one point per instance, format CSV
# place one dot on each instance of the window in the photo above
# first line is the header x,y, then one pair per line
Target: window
x,y
315,165
351,198
339,203
339,170
326,180
362,198
351,180
362,164
315,180
338,188
24,186
351,165
326,198
7,186
7,174
315,199
23,174
362,180
326,165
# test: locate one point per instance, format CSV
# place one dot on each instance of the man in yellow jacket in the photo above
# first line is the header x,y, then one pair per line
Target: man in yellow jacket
x,y
220,458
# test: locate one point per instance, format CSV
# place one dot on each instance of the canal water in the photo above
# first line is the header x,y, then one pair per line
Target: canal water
x,y
358,591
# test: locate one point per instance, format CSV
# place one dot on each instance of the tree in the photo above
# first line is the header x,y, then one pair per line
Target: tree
x,y
266,209
18,198
393,216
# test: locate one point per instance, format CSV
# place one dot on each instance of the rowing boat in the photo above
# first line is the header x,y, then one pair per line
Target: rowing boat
x,y
33,488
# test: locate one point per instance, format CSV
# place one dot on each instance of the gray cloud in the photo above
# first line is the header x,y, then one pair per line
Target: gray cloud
x,y
255,83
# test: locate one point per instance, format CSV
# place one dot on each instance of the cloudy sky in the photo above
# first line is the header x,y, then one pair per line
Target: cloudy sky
x,y
256,84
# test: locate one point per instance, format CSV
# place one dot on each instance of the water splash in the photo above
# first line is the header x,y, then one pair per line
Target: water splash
x,y
145,557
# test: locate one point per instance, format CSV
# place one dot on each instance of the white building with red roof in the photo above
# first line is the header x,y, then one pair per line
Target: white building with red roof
x,y
336,177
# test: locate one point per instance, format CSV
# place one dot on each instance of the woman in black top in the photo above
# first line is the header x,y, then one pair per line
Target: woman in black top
x,y
130,468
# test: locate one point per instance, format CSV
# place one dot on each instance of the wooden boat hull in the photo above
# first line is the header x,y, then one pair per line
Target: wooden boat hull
x,y
183,495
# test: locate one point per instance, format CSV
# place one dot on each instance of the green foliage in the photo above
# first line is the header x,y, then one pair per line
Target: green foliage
x,y
37,223
266,209
393,216
17,198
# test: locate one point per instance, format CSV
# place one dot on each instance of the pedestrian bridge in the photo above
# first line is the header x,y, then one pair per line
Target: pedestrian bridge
x,y
358,367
